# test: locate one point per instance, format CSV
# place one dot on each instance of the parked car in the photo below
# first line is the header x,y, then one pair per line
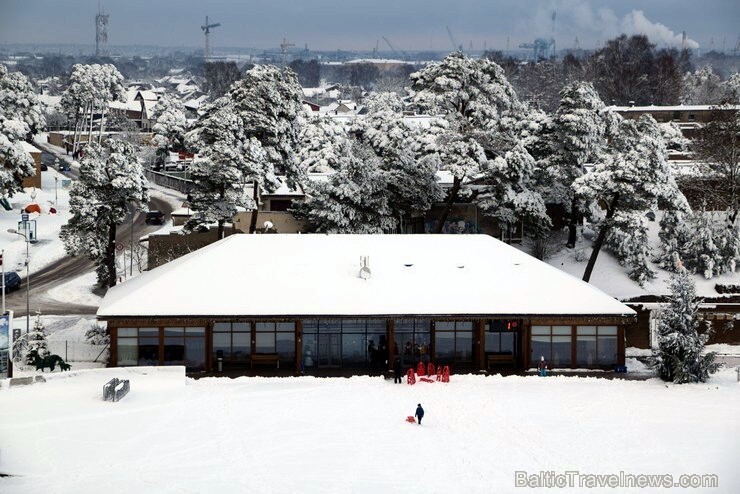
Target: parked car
x,y
12,281
154,218
44,167
64,166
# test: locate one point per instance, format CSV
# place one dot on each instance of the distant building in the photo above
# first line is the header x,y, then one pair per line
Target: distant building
x,y
35,179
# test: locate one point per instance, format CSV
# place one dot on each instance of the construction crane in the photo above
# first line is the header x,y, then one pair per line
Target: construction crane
x,y
455,46
207,31
284,49
396,51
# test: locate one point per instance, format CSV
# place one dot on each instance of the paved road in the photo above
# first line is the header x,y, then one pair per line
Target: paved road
x,y
68,268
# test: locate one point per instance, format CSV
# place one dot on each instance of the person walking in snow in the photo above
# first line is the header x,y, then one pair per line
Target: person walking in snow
x,y
419,413
542,366
397,370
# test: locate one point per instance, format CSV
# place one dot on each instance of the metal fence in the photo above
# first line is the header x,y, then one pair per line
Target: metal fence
x,y
76,351
170,181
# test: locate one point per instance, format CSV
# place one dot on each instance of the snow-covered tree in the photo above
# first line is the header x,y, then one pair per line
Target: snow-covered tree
x,y
91,88
111,182
578,137
97,334
169,128
15,162
631,182
353,200
701,242
702,87
229,163
37,343
473,96
412,180
731,89
269,101
673,137
321,140
18,100
511,194
717,147
680,356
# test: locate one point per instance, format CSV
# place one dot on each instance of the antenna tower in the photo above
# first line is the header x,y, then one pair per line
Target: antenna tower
x,y
101,32
207,31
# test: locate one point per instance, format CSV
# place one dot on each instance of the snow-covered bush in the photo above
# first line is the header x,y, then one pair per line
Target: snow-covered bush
x,y
679,357
628,240
97,334
37,344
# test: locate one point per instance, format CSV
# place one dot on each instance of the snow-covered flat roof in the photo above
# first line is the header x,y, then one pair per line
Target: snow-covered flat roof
x,y
29,148
652,108
304,275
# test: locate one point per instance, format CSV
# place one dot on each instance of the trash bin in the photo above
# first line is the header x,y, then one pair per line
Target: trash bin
x,y
220,360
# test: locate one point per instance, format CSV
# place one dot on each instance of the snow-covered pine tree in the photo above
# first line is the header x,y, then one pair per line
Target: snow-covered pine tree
x,y
472,95
511,193
229,163
412,180
353,200
37,343
703,243
90,89
679,357
111,182
321,140
170,127
631,182
578,136
15,162
269,102
18,100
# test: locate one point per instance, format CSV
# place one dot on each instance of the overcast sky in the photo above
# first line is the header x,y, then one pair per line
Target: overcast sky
x,y
358,25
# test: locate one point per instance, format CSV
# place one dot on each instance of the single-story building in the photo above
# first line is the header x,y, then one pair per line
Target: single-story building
x,y
292,304
35,179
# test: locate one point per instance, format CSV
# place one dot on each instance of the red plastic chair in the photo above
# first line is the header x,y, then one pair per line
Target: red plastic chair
x,y
420,369
410,377
430,369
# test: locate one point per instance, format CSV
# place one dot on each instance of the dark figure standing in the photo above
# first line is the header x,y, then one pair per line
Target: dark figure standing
x,y
419,413
372,353
397,370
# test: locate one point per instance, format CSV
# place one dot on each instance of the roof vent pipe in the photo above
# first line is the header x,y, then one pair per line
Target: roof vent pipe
x,y
364,267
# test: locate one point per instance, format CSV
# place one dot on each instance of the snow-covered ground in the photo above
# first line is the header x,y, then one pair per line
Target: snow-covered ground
x,y
171,434
612,278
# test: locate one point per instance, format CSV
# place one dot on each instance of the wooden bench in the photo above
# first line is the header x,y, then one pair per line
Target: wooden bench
x,y
500,359
264,358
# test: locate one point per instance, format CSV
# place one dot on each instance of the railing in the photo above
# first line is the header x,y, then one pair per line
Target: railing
x,y
115,389
170,181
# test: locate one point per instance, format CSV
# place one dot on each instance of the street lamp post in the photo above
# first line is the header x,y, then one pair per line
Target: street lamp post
x,y
28,278
56,198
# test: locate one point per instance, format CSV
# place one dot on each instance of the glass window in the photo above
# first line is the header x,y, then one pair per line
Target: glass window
x,y
353,326
330,326
148,346
174,346
285,346
131,332
586,349
596,346
353,349
561,351
464,346
285,326
220,327
127,350
263,327
444,345
222,343
444,326
540,348
264,343
241,345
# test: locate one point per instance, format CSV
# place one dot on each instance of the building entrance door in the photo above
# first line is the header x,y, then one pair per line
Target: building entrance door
x,y
330,350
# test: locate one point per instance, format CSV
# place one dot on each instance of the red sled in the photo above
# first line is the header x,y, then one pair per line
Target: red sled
x,y
425,379
410,419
